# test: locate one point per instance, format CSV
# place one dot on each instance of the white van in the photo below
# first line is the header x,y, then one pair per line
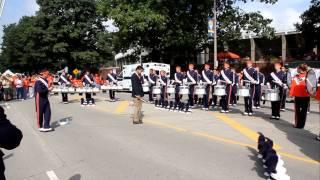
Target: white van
x,y
128,70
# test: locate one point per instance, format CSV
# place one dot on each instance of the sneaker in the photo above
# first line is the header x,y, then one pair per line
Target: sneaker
x,y
254,107
227,111
40,129
206,109
46,129
272,117
250,114
258,107
308,112
283,110
318,138
277,117
65,102
245,113
222,111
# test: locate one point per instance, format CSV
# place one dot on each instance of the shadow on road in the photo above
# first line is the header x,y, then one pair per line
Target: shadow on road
x,y
75,177
258,166
58,123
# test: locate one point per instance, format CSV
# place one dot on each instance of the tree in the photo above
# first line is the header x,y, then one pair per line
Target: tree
x,y
178,29
310,26
63,32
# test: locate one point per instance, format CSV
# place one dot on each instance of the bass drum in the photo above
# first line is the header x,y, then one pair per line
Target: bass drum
x,y
272,95
311,82
200,90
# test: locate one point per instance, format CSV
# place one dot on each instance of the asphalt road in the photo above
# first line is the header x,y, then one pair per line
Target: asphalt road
x,y
101,143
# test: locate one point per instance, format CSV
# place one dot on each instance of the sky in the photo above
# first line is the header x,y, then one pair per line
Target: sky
x,y
284,13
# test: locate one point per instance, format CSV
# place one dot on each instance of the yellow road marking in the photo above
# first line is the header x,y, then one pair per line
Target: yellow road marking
x,y
251,134
122,107
165,125
202,134
299,158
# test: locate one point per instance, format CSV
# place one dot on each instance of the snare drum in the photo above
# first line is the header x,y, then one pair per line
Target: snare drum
x,y
272,95
145,88
171,89
220,90
243,92
184,90
200,90
156,90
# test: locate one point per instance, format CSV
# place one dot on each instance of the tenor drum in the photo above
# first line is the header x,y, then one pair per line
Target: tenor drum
x,y
95,90
156,90
56,90
71,90
200,90
184,90
104,88
272,95
119,87
171,89
243,92
220,90
145,88
88,90
64,90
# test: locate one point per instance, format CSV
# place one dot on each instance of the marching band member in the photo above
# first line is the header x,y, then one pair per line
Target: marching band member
x,y
163,83
178,81
207,77
226,75
112,80
87,82
191,79
284,98
235,80
250,79
43,109
301,96
277,80
258,86
63,80
152,79
198,100
216,77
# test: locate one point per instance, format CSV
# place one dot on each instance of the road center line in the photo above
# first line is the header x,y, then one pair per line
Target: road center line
x,y
52,175
122,107
251,134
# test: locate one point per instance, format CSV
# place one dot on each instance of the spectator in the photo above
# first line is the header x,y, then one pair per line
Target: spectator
x,y
26,84
7,89
10,138
19,87
137,94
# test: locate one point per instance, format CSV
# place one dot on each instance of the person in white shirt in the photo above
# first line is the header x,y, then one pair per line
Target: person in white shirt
x,y
19,87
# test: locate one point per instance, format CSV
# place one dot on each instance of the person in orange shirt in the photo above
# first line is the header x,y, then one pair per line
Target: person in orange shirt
x,y
301,96
97,79
26,84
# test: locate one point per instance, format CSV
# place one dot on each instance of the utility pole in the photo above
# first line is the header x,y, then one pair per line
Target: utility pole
x,y
215,57
1,6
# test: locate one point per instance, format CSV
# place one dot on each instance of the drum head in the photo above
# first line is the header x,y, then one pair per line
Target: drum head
x,y
311,82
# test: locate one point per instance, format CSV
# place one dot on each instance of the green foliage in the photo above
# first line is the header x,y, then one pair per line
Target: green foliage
x,y
63,32
310,25
178,29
